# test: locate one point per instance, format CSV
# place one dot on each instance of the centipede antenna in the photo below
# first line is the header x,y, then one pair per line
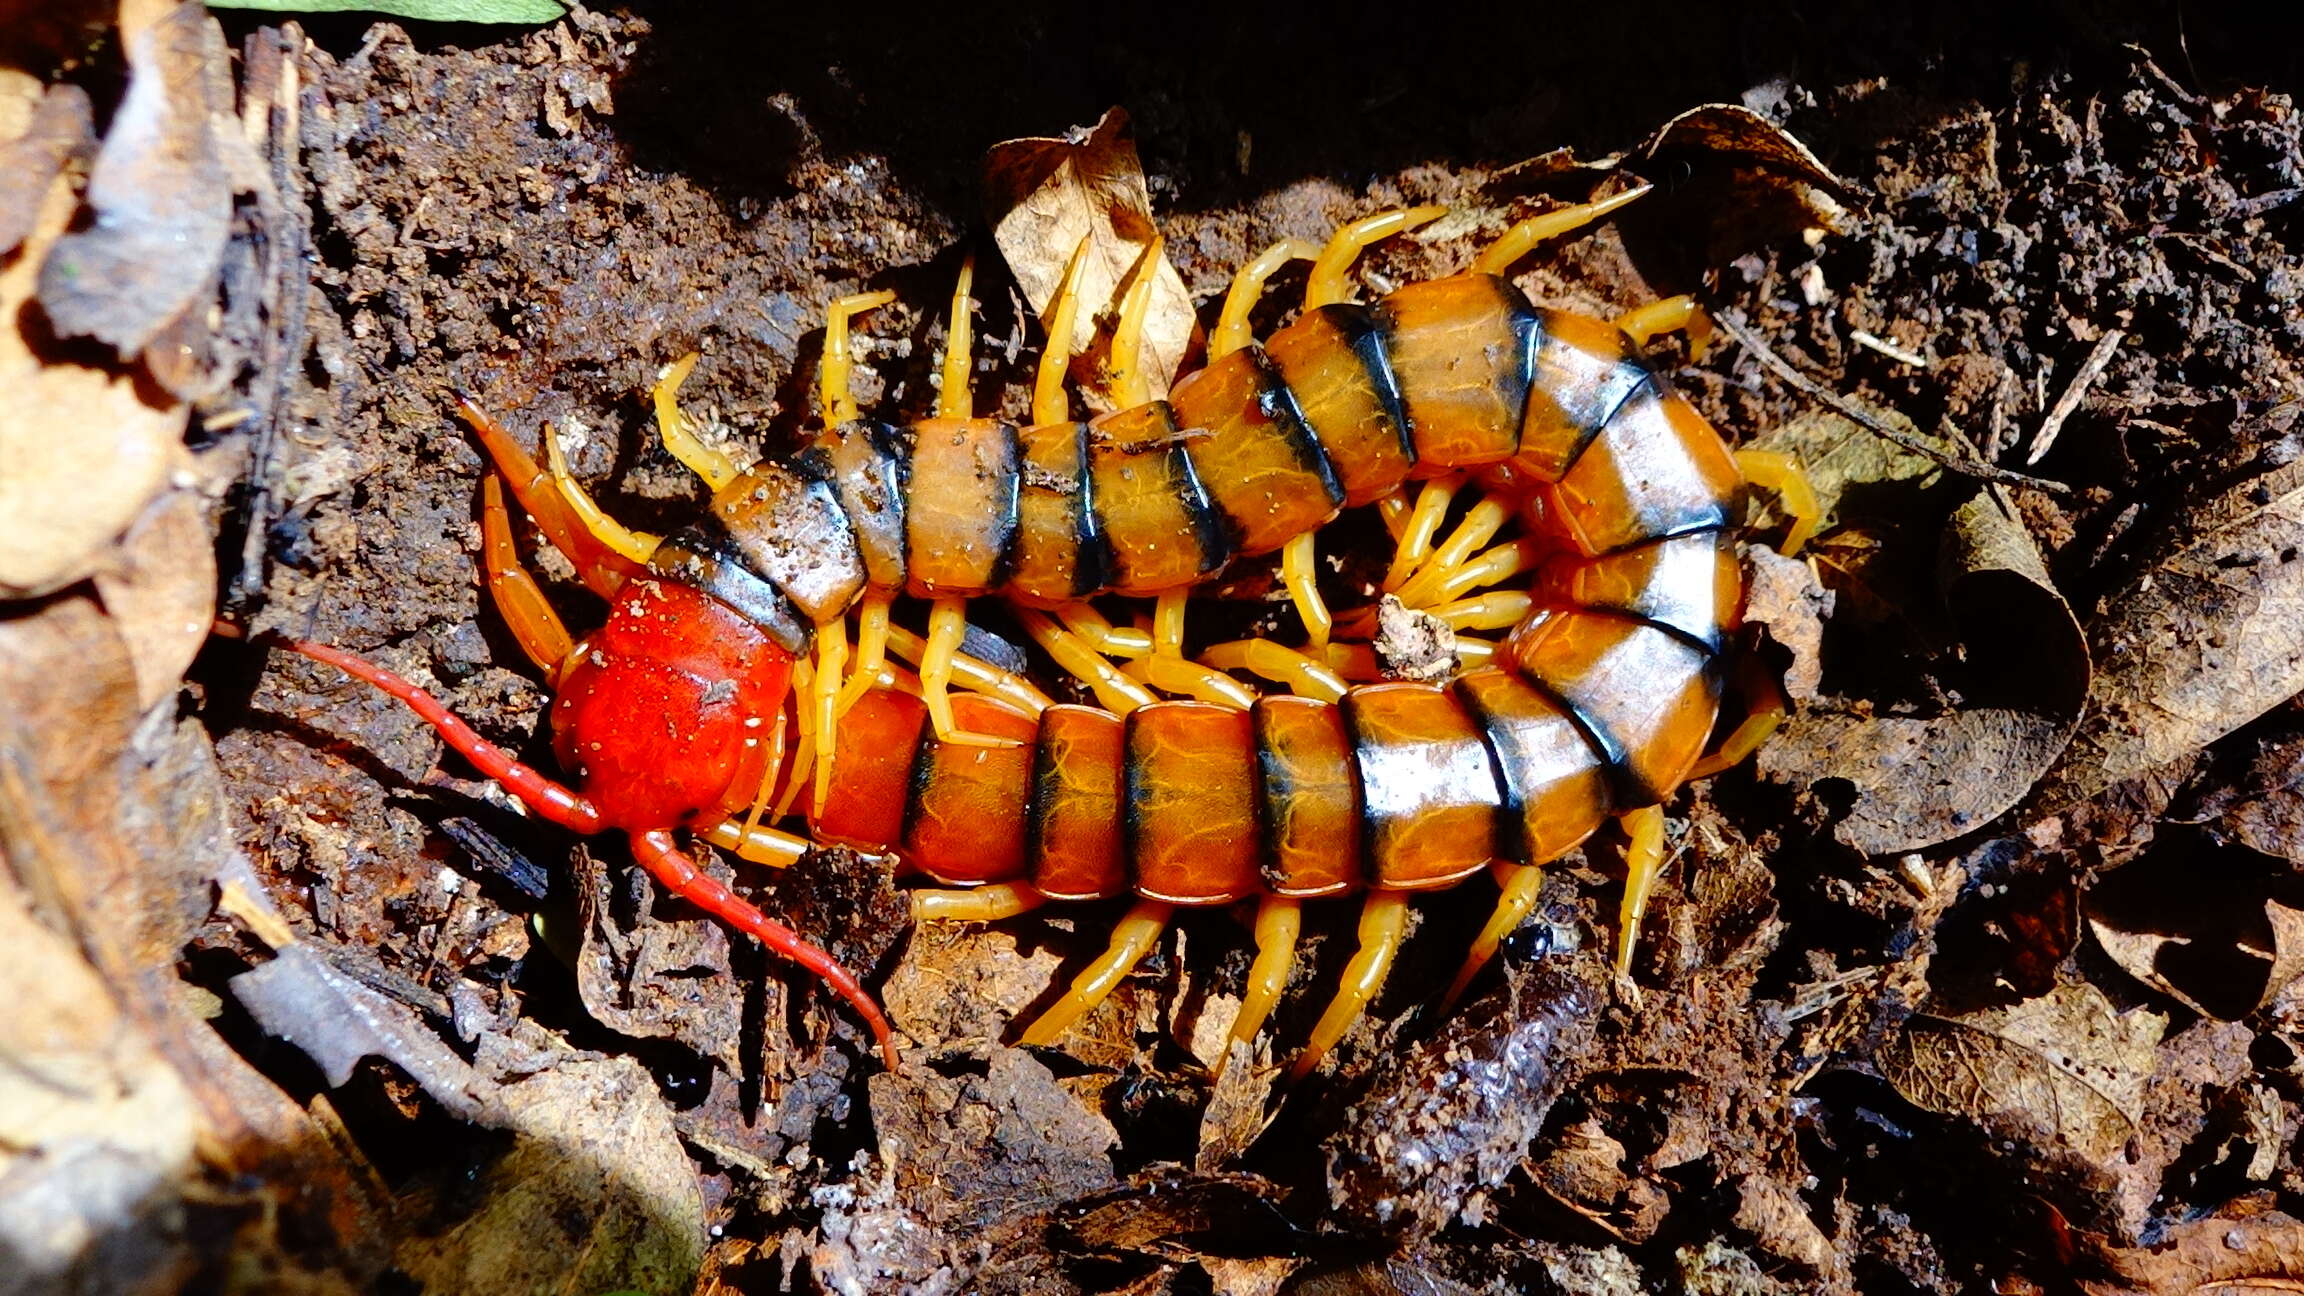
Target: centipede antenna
x,y
679,434
1050,404
1329,285
1279,920
1300,572
664,860
1232,324
976,904
1130,384
1522,238
833,374
957,398
1383,925
633,546
1132,939
540,632
1515,900
1643,869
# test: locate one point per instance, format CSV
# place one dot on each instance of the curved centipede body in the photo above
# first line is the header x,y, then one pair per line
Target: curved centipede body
x,y
1600,701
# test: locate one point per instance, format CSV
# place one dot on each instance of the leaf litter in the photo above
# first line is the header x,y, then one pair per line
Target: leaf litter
x,y
1862,987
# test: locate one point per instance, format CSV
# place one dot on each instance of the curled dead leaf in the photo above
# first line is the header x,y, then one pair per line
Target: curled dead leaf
x,y
61,129
160,189
2203,640
2250,1250
1043,197
1743,181
2223,951
2259,805
160,589
2063,1072
1919,779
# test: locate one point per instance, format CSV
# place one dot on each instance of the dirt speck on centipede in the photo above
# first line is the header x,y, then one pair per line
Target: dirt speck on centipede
x,y
1985,974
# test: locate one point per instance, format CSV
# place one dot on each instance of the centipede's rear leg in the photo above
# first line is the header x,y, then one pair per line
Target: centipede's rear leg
x,y
526,612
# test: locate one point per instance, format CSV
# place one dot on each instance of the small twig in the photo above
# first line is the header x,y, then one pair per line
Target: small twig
x,y
1733,325
1888,349
2073,391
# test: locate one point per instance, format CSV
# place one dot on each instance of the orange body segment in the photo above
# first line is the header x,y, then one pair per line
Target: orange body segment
x,y
1460,351
1647,696
1585,368
960,515
1149,502
1555,784
1310,796
964,821
1059,553
872,771
1429,791
1191,803
1075,843
1658,469
1335,366
1257,461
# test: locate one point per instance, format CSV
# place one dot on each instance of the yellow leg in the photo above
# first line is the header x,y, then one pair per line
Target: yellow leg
x,y
1300,571
1670,315
1394,511
1114,691
957,397
1191,679
1522,238
1471,652
1232,332
976,904
832,386
973,673
1124,371
1049,403
1495,610
1131,941
1105,637
638,546
796,775
1278,922
540,631
1643,869
1769,709
831,662
1328,285
1416,544
947,625
1435,586
1354,661
1383,924
1515,900
679,436
1479,525
871,648
758,844
1168,623
1779,472
1282,665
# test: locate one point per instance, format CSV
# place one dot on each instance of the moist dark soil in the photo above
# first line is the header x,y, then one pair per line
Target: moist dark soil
x,y
541,219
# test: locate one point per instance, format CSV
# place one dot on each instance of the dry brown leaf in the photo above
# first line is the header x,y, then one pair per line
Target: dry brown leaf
x,y
1919,780
595,1194
1784,595
59,128
1740,181
81,448
299,997
2261,804
1043,196
2204,640
2064,1071
2216,984
2251,1251
985,1147
1735,133
160,589
660,980
161,191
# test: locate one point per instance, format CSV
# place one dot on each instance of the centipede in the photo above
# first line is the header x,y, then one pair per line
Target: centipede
x,y
1551,500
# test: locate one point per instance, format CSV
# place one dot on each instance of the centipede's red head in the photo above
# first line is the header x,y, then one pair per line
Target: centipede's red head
x,y
666,715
